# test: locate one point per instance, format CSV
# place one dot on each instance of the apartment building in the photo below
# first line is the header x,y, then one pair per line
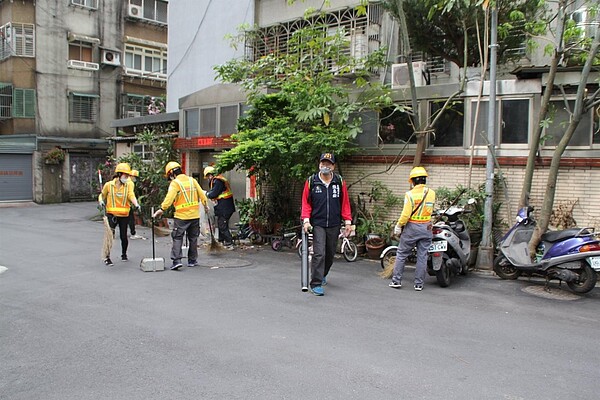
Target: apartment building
x,y
455,155
67,70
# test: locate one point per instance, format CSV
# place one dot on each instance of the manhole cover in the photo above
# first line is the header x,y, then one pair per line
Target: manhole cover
x,y
217,262
554,293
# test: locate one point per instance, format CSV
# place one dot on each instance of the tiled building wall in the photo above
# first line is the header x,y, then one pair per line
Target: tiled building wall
x,y
581,184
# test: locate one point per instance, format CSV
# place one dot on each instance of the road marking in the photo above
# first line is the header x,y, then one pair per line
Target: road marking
x,y
2,269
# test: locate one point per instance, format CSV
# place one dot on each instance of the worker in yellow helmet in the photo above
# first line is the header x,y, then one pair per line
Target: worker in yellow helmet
x,y
219,191
135,174
118,197
185,194
415,226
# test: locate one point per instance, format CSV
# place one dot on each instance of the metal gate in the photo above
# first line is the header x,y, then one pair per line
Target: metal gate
x,y
16,178
84,177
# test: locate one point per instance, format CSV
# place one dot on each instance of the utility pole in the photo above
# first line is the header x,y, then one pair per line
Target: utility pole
x,y
486,247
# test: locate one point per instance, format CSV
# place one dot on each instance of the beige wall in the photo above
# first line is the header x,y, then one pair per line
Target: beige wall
x,y
582,184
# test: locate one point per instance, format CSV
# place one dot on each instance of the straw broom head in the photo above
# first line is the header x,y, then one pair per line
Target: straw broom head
x,y
107,242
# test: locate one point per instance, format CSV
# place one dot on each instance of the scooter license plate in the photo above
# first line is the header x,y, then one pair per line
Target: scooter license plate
x,y
595,263
440,245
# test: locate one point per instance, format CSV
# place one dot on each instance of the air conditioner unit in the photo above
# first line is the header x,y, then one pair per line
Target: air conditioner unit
x,y
400,79
135,11
133,114
110,57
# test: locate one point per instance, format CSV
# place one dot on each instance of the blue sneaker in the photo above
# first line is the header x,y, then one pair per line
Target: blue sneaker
x,y
324,281
317,291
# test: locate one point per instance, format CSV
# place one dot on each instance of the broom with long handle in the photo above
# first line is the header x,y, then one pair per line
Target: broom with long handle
x,y
214,245
107,241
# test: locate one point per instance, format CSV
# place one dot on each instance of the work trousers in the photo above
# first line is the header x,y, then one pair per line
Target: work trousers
x,y
191,227
413,235
122,222
224,232
324,246
131,223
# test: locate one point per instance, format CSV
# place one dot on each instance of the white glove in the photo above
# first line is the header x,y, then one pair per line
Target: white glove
x,y
397,230
307,227
158,213
101,203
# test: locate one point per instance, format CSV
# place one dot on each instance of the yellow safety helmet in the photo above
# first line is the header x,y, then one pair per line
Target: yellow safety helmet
x,y
209,170
171,165
416,172
135,172
123,167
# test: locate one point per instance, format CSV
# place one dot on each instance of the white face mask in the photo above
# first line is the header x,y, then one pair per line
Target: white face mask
x,y
123,179
325,170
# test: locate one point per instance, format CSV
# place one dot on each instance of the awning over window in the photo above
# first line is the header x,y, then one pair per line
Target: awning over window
x,y
82,38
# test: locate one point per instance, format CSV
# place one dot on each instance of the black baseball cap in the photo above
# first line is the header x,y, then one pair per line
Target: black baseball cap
x,y
327,156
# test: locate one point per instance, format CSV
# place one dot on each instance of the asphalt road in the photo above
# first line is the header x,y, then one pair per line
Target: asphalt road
x,y
72,328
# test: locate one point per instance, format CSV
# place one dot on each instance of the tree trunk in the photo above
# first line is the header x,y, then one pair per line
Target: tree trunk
x,y
581,106
535,140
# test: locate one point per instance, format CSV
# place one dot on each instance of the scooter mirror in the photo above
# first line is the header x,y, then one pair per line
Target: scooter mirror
x,y
471,201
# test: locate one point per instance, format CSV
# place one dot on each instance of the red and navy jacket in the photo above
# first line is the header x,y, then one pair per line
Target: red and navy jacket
x,y
326,206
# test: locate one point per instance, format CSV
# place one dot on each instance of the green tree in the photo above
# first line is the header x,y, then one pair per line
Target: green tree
x,y
587,50
302,101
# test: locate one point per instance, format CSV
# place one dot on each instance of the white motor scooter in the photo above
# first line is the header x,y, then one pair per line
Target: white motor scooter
x,y
451,246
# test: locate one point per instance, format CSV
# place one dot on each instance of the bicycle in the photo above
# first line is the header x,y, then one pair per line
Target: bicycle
x,y
347,248
245,231
287,239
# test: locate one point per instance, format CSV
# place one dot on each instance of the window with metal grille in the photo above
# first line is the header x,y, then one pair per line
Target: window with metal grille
x,y
93,4
83,107
362,30
6,97
135,105
17,40
24,103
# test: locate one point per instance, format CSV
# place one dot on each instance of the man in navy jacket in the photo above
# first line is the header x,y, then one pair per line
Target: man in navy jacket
x,y
325,205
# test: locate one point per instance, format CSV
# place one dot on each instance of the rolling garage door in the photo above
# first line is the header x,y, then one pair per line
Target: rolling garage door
x,y
16,180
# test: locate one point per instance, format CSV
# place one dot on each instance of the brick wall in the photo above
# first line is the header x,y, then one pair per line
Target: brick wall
x,y
582,183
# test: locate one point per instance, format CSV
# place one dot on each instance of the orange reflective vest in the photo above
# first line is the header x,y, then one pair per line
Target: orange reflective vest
x,y
225,194
117,202
423,212
187,198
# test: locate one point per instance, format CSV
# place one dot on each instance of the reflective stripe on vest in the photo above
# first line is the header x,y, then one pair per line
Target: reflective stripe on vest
x,y
188,200
423,215
114,206
227,193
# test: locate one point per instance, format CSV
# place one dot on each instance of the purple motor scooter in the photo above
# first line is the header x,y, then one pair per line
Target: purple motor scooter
x,y
570,255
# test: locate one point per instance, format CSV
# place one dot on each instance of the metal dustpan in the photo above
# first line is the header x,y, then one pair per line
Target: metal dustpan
x,y
152,264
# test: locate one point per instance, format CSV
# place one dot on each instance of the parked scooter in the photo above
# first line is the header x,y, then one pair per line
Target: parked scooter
x,y
451,246
571,255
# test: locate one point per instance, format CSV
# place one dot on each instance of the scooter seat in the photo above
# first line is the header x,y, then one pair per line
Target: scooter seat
x,y
555,236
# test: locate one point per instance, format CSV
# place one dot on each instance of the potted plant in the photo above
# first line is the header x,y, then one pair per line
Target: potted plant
x,y
54,156
373,213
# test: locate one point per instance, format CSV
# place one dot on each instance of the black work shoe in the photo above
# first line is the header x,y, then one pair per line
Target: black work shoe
x,y
108,262
395,285
124,257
